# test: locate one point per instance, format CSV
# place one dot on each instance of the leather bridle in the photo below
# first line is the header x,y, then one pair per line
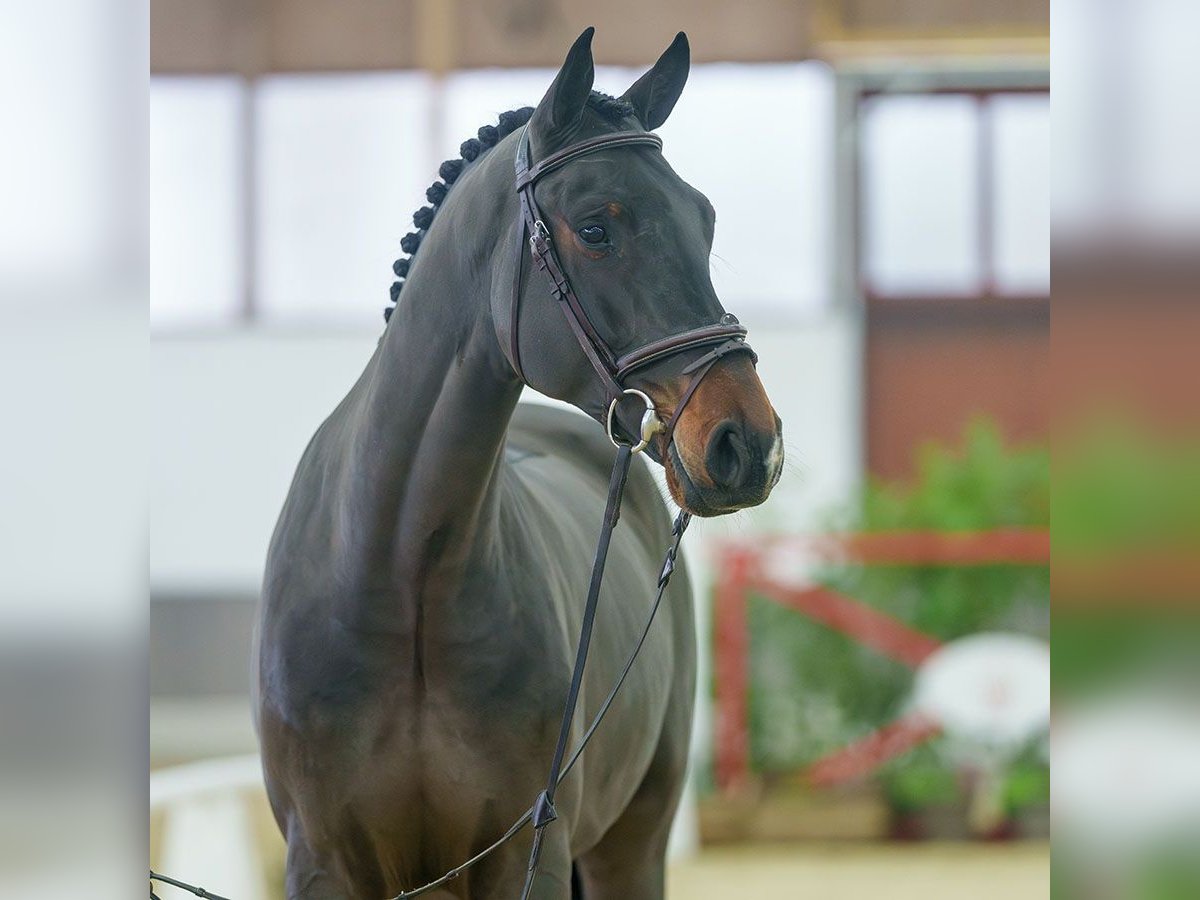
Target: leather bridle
x,y
723,337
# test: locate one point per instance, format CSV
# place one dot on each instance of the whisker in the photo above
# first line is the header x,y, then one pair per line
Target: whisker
x,y
726,265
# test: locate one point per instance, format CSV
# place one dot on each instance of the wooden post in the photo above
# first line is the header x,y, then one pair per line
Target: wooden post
x,y
731,633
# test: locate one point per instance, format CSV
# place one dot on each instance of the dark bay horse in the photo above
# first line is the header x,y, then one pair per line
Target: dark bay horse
x,y
425,582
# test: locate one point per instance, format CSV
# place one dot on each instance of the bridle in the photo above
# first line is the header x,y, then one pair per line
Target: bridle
x,y
723,337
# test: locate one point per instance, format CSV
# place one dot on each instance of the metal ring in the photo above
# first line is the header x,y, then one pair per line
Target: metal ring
x,y
651,423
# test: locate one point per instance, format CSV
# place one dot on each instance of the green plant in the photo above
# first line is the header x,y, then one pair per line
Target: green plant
x,y
813,689
1026,785
982,483
1126,528
922,781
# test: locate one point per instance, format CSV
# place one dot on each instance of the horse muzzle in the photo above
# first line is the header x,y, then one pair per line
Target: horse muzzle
x,y
739,466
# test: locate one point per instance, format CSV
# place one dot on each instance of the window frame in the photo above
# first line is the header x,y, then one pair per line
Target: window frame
x,y
859,89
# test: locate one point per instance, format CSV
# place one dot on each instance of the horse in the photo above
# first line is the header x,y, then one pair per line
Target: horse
x,y
422,596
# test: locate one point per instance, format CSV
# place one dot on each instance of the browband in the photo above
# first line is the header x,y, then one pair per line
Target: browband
x,y
583,148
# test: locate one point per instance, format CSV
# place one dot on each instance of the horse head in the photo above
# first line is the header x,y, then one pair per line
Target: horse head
x,y
635,239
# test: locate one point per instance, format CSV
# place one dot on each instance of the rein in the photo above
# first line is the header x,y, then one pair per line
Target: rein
x,y
724,337
542,813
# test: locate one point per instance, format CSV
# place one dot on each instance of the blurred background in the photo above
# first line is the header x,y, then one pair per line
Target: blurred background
x,y
874,697
873,638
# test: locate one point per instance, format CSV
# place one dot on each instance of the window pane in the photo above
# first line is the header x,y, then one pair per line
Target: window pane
x,y
342,163
756,140
195,164
1021,191
920,196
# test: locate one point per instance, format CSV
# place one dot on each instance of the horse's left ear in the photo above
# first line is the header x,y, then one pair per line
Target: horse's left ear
x,y
653,95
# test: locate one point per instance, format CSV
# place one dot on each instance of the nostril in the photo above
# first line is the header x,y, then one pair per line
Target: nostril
x,y
726,457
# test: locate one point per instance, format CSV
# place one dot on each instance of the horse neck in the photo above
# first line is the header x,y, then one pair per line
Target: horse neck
x,y
435,409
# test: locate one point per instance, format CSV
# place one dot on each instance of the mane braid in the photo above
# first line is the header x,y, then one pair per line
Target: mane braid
x,y
611,109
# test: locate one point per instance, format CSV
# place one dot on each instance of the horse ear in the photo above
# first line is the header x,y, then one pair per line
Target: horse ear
x,y
559,112
653,95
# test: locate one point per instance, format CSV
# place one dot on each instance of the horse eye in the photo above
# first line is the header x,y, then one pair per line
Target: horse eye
x,y
593,234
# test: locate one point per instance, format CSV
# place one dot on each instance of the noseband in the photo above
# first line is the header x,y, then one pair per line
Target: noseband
x,y
723,337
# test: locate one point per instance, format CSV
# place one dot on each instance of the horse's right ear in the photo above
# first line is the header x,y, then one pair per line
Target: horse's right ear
x,y
560,111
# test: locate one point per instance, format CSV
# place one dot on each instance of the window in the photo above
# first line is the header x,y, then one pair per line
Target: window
x,y
327,169
757,141
477,98
196,196
955,194
342,161
920,203
772,195
1020,130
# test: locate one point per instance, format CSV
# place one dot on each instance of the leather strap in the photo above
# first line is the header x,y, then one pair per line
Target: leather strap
x,y
664,578
677,343
514,312
543,809
591,145
705,363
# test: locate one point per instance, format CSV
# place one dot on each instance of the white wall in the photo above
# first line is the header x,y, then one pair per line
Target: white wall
x,y
231,414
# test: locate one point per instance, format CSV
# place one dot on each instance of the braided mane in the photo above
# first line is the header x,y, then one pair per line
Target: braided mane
x,y
612,109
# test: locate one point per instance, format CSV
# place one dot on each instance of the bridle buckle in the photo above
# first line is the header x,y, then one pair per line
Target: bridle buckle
x,y
539,236
650,426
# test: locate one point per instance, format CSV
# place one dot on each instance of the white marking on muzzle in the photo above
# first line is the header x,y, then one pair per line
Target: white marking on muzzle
x,y
775,461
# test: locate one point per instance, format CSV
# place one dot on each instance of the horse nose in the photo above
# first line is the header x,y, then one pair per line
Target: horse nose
x,y
736,456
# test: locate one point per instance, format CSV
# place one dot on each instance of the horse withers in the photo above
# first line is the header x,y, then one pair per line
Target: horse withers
x,y
425,582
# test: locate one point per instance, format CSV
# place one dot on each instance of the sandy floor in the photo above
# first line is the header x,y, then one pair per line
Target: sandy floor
x,y
858,872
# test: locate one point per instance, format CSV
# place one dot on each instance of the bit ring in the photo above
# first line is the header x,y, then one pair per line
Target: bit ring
x,y
651,423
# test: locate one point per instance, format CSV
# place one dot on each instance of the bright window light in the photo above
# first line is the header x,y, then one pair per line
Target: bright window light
x,y
1020,126
920,209
477,97
342,162
196,214
757,141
